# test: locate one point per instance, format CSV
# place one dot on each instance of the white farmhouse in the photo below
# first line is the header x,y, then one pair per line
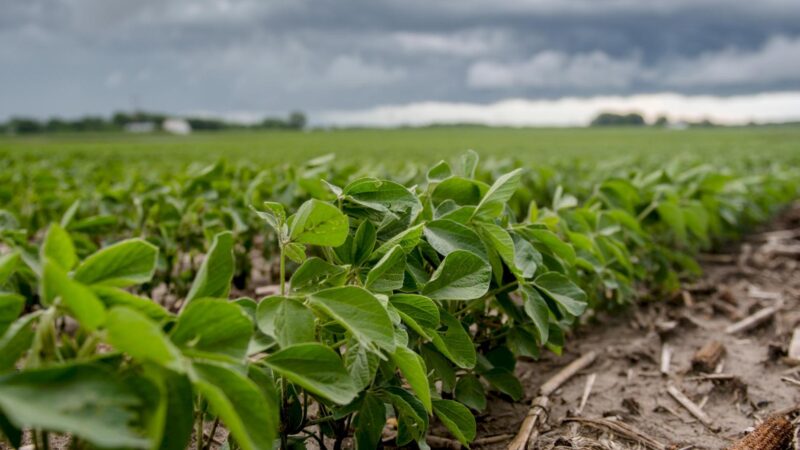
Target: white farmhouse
x,y
177,126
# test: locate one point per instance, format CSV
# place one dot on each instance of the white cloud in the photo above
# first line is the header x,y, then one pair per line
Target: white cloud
x,y
352,71
472,43
768,107
556,69
115,79
776,61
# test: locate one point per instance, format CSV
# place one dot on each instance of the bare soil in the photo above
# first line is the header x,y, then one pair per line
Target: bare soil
x,y
760,272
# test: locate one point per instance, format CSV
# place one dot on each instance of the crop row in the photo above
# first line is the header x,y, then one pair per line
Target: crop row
x,y
409,297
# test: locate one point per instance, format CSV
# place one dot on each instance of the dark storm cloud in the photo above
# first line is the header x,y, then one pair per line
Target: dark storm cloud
x,y
77,56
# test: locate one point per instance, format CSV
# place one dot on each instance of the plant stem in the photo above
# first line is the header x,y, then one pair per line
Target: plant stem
x,y
35,438
283,271
207,445
284,414
89,346
502,289
198,430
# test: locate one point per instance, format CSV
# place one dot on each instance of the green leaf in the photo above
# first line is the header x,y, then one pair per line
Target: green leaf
x,y
319,223
526,258
470,392
111,297
457,418
285,319
462,276
210,327
455,343
296,252
363,243
359,312
381,195
213,280
369,423
413,369
441,367
407,239
316,273
133,333
553,242
561,290
422,310
84,400
671,214
439,172
17,340
123,264
387,274
523,343
536,308
8,265
81,302
447,236
411,415
469,162
10,308
244,409
495,199
499,239
176,400
361,364
58,247
460,190
317,369
504,381
275,215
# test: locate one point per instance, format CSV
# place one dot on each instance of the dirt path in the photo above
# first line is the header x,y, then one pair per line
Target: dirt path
x,y
762,272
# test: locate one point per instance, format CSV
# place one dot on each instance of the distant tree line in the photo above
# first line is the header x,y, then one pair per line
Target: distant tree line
x,y
609,119
119,121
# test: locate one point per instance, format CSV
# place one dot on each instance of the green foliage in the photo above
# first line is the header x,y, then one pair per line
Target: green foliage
x,y
214,277
409,297
123,264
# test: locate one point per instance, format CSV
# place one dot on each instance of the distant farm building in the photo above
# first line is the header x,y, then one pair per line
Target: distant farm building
x,y
140,127
177,126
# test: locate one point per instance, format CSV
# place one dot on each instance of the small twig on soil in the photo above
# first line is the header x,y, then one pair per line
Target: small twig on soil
x,y
717,258
715,376
791,381
528,432
587,391
752,320
452,444
784,250
443,443
757,293
690,406
730,311
666,358
794,347
489,440
688,299
567,372
622,429
779,235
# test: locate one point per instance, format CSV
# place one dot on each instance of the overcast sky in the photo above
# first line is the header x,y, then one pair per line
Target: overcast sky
x,y
404,61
